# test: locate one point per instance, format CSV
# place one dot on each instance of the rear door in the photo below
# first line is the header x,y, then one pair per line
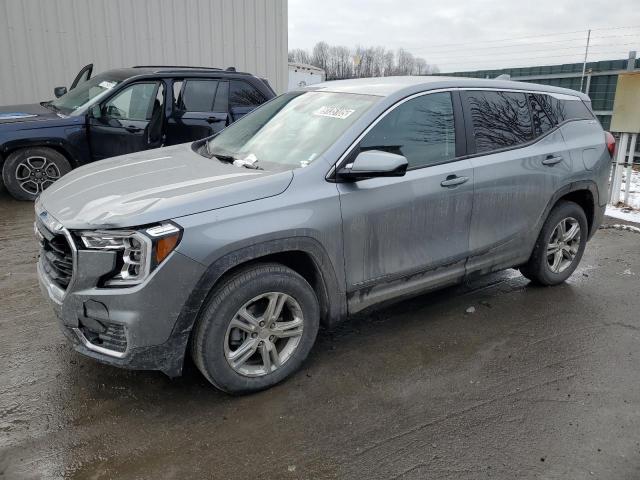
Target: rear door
x,y
520,162
130,121
200,109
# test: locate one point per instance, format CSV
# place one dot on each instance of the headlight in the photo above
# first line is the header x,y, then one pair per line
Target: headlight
x,y
139,251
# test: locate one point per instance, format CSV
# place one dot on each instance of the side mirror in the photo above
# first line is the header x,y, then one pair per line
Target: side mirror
x,y
374,164
95,111
59,91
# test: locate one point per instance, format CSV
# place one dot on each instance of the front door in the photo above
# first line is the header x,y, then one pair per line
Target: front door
x,y
130,121
406,234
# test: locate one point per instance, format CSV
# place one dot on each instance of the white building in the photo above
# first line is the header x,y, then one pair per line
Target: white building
x,y
44,43
301,75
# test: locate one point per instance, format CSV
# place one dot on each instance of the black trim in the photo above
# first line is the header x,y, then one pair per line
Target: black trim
x,y
459,123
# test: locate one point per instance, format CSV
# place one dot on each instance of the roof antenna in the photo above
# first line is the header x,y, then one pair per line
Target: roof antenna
x,y
504,76
231,69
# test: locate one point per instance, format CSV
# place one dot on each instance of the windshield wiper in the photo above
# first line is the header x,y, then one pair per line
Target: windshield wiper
x,y
50,106
224,158
252,164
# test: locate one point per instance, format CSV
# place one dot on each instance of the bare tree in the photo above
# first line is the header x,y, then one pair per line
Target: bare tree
x,y
299,55
405,62
340,62
389,65
320,55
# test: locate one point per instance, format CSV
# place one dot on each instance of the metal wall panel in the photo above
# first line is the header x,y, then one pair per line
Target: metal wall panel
x,y
44,43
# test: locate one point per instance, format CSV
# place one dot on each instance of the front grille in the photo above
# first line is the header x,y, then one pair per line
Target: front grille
x,y
56,257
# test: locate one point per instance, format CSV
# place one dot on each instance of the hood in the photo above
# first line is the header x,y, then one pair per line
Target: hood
x,y
25,113
152,186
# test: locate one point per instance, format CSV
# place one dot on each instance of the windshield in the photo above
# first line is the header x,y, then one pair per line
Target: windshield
x,y
85,93
293,129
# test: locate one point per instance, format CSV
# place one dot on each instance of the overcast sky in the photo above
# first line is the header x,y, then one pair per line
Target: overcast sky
x,y
471,34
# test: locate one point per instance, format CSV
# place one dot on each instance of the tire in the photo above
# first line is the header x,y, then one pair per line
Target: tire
x,y
216,339
29,171
554,265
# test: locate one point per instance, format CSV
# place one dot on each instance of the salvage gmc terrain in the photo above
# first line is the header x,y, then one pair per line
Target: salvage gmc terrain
x,y
321,203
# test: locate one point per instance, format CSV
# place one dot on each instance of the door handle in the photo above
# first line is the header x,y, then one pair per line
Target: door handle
x,y
552,160
132,129
453,181
214,120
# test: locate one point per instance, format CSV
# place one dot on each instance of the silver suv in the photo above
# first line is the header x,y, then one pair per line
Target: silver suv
x,y
321,203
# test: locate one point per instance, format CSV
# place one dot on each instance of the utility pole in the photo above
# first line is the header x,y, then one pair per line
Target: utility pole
x,y
586,52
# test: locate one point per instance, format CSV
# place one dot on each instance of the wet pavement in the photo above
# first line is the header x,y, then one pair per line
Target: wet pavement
x,y
536,383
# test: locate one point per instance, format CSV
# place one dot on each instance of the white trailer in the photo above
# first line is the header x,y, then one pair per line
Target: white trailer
x,y
301,75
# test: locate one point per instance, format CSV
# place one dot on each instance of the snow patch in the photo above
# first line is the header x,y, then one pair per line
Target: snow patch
x,y
623,213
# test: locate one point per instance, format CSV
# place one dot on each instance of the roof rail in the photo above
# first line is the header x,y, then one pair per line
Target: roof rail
x,y
176,66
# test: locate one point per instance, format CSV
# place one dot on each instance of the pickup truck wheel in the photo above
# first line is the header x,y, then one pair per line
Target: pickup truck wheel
x,y
27,172
559,247
256,329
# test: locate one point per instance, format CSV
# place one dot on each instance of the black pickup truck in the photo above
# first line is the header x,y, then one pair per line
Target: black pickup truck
x,y
119,112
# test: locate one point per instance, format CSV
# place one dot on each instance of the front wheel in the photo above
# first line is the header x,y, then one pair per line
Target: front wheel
x,y
560,245
256,329
27,172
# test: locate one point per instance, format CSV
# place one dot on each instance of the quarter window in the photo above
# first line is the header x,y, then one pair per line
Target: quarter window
x,y
559,111
500,119
244,95
421,129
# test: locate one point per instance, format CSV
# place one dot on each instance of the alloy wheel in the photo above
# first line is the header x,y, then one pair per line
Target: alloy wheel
x,y
263,334
563,245
34,174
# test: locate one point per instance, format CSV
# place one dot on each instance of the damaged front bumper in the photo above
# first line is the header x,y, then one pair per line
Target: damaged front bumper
x,y
130,327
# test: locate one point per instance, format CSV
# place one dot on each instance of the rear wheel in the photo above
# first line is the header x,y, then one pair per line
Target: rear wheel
x,y
27,172
256,329
559,247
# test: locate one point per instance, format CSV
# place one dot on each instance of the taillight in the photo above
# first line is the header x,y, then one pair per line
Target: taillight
x,y
611,143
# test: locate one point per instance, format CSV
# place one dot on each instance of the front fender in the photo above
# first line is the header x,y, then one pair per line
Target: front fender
x,y
335,299
70,141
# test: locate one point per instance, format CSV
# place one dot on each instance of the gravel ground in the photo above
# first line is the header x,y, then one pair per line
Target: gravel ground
x,y
535,383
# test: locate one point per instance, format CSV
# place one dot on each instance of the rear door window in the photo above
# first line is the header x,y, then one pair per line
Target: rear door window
x,y
421,129
221,103
197,95
500,119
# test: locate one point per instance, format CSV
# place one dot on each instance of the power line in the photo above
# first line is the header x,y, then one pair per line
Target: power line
x,y
531,36
524,60
552,42
613,47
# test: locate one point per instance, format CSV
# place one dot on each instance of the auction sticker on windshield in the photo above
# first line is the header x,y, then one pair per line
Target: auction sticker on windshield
x,y
334,112
107,85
